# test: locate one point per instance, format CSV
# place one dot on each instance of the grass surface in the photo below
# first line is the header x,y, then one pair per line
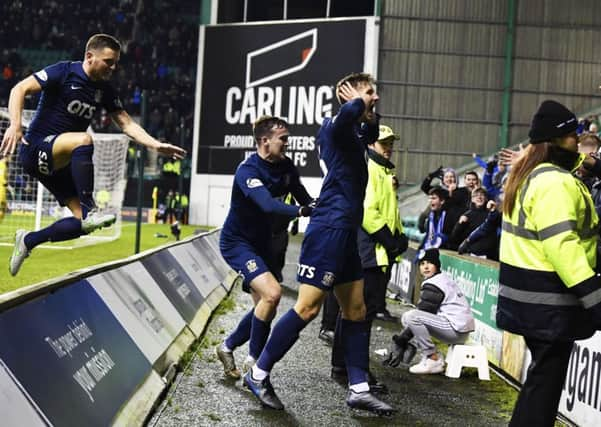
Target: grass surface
x,y
44,264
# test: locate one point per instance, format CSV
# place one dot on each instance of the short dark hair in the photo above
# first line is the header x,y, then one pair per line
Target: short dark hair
x,y
354,79
479,190
264,125
472,173
439,192
100,41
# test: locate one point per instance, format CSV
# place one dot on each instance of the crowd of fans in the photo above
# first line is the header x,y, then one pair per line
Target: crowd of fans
x,y
158,56
467,218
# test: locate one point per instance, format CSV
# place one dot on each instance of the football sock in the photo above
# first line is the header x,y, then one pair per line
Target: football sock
x,y
283,336
82,169
242,332
355,339
259,333
63,229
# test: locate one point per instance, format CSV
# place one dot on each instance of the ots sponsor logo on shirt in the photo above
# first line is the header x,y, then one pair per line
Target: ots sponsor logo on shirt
x,y
253,183
81,109
251,265
306,271
328,279
42,75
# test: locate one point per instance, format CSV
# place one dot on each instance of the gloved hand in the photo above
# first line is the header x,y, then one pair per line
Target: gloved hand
x,y
294,228
401,353
438,173
402,242
305,211
463,247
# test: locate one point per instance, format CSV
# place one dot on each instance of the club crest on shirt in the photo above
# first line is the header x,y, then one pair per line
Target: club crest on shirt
x,y
253,183
251,265
98,95
328,279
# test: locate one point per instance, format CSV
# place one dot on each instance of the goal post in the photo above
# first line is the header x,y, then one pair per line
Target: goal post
x,y
28,205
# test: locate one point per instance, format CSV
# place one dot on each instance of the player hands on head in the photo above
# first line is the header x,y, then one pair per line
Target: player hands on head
x,y
56,149
329,259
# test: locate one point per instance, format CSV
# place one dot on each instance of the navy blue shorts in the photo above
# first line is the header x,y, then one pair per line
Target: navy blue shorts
x,y
329,257
245,260
36,157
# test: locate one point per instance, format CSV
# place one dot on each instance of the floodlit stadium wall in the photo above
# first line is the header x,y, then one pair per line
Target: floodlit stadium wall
x,y
98,346
280,68
479,280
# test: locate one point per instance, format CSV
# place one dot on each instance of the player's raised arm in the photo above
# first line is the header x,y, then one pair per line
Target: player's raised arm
x,y
138,134
14,132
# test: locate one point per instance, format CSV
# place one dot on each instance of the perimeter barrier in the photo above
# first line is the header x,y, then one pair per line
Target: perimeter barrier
x,y
97,347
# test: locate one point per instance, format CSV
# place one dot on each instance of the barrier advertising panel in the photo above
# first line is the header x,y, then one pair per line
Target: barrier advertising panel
x,y
197,267
581,399
15,408
279,69
210,259
141,307
175,283
68,343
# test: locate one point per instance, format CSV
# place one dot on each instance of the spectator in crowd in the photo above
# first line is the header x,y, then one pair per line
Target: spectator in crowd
x,y
589,144
470,219
438,224
442,312
484,239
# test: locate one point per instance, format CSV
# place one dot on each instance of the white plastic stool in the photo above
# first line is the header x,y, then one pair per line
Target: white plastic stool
x,y
473,356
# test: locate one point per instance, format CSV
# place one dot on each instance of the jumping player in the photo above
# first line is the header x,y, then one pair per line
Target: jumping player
x,y
329,257
261,183
56,148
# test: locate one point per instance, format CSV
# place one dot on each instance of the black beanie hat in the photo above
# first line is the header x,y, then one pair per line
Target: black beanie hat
x,y
431,255
552,120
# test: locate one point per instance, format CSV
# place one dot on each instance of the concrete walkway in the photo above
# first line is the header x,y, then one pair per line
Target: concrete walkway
x,y
202,396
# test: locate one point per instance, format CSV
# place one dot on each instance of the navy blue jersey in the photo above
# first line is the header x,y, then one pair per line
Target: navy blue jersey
x,y
258,192
69,100
342,142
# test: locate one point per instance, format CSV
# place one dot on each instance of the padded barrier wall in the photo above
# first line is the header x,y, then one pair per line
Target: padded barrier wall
x,y
95,347
479,279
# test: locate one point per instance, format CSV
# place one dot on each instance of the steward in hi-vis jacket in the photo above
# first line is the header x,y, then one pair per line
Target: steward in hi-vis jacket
x,y
548,289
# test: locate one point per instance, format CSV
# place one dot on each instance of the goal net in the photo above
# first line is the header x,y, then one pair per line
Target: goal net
x,y
25,203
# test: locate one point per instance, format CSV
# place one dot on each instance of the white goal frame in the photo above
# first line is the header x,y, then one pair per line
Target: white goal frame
x,y
36,207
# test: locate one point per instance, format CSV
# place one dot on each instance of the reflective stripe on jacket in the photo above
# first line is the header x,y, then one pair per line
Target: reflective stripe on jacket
x,y
548,246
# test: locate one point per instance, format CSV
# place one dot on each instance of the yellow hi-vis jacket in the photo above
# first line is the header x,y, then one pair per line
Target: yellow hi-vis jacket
x,y
548,256
380,208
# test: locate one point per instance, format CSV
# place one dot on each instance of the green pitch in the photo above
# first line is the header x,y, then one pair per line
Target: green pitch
x,y
44,264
